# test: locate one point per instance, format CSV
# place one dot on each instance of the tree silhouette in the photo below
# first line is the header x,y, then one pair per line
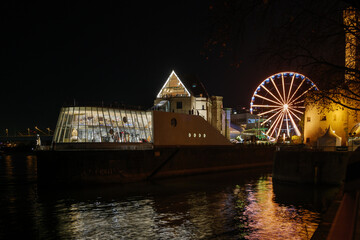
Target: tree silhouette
x,y
318,38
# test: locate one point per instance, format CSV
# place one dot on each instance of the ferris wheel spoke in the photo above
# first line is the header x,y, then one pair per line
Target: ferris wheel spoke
x,y
297,89
265,106
294,125
277,124
298,103
302,94
291,112
277,90
283,86
293,107
271,93
267,99
280,125
294,114
287,125
296,111
278,112
292,82
272,110
282,104
273,126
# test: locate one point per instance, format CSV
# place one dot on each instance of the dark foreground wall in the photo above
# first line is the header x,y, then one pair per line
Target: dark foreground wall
x,y
310,167
137,165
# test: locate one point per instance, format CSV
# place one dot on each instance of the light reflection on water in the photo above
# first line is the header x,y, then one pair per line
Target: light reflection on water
x,y
231,205
267,219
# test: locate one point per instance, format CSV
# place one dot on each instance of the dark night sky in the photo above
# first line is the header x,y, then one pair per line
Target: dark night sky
x,y
92,53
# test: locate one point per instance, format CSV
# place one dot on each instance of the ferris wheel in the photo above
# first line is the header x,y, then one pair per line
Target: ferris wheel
x,y
279,103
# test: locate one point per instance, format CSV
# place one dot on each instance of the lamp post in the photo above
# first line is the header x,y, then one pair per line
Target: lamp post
x,y
352,135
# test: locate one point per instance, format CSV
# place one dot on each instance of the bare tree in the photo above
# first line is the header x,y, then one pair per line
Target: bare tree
x,y
318,38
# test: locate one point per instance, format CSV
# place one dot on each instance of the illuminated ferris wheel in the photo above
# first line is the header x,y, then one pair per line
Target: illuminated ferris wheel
x,y
279,102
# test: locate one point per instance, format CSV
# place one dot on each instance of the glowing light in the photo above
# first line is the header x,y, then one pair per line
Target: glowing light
x,y
268,99
180,82
282,105
271,93
277,89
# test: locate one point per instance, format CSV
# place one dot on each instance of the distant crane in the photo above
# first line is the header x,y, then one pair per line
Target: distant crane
x,y
41,131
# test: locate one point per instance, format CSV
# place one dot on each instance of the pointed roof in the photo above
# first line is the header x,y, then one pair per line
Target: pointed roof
x,y
194,85
330,133
173,87
186,86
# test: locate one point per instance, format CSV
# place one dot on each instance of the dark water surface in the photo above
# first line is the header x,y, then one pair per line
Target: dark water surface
x,y
231,205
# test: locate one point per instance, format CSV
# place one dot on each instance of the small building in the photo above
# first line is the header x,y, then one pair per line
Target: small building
x,y
316,123
248,125
188,95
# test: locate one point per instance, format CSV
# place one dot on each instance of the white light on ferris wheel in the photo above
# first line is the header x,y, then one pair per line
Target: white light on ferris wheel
x,y
280,100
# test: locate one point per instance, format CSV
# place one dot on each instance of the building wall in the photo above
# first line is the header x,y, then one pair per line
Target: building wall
x,y
315,123
217,114
174,129
227,118
202,106
245,119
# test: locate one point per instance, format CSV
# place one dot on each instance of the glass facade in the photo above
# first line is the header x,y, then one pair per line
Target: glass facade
x,y
100,124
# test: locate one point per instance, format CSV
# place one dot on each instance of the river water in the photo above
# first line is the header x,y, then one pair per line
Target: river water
x,y
229,205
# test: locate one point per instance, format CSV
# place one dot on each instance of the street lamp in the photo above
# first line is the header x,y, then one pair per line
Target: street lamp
x,y
352,135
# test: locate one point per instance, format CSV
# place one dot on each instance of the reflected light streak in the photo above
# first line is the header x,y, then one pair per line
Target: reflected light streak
x,y
270,220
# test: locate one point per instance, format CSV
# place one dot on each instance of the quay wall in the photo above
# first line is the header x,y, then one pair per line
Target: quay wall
x,y
313,167
68,166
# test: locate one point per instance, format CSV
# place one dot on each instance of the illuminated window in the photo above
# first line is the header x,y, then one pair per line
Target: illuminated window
x,y
199,135
98,124
194,134
204,135
178,105
189,134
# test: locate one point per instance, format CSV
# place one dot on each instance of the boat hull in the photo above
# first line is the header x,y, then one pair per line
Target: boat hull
x,y
91,165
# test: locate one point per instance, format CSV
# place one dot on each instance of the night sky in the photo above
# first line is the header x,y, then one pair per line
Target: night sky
x,y
94,52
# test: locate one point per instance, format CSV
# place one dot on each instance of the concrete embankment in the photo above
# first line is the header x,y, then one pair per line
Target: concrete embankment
x,y
138,165
314,167
342,219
